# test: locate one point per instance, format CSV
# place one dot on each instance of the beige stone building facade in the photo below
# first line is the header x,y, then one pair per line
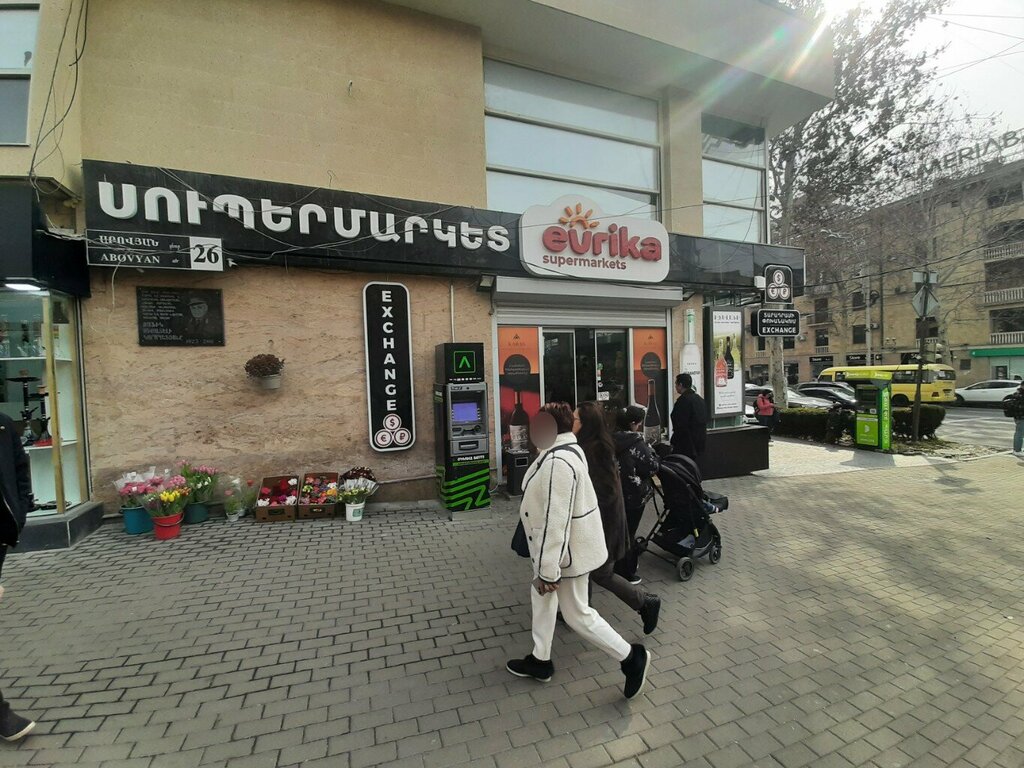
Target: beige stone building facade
x,y
437,111
968,231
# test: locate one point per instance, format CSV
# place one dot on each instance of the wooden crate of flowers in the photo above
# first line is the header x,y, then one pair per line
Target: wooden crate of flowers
x,y
318,495
278,499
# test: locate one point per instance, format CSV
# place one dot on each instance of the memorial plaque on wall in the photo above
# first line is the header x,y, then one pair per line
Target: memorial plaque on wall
x,y
180,317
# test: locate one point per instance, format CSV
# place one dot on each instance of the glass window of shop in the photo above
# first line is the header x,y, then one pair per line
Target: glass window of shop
x,y
549,136
733,171
42,392
18,28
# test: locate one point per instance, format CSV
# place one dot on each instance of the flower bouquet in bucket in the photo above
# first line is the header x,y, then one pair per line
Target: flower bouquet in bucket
x,y
132,489
166,505
358,484
202,482
239,497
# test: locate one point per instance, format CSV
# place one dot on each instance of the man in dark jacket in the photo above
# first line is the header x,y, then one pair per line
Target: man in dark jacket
x,y
15,502
689,419
1013,406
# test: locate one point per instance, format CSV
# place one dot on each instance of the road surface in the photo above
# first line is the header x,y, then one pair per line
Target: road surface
x,y
980,426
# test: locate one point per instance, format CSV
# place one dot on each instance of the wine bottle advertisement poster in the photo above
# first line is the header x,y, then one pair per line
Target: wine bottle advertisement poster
x,y
726,370
518,382
650,364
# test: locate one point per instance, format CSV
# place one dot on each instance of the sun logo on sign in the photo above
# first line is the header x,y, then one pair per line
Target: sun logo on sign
x,y
572,218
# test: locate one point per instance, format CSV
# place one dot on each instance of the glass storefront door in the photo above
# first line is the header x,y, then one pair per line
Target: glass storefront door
x,y
574,363
41,391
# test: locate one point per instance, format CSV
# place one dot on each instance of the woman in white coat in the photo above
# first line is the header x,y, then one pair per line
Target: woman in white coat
x,y
563,526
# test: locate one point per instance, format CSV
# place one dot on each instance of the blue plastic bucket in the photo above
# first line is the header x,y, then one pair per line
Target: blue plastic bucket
x,y
196,513
136,520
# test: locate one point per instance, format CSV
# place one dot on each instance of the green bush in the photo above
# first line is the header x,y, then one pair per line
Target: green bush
x,y
931,418
806,423
812,423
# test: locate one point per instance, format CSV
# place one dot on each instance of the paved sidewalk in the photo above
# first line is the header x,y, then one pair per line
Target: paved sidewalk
x,y
859,619
794,458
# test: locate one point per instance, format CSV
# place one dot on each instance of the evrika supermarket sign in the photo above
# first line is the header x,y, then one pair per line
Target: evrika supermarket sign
x,y
573,238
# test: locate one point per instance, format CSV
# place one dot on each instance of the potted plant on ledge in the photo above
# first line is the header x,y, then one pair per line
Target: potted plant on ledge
x,y
167,505
266,369
202,481
359,485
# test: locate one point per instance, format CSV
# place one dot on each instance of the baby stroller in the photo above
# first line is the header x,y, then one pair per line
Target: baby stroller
x,y
683,527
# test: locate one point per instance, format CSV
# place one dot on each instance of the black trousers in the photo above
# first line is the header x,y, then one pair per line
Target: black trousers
x,y
627,566
4,706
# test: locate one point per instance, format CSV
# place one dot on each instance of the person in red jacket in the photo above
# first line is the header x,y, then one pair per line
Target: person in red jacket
x,y
764,410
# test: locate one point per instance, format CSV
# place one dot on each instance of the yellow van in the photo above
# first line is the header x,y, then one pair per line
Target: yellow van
x,y
938,382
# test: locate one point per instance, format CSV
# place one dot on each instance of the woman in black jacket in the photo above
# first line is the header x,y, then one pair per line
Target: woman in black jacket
x,y
596,441
637,465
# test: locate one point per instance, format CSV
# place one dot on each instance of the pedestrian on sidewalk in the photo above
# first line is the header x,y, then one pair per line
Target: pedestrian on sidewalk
x,y
637,465
689,420
560,515
764,411
1013,406
599,448
16,501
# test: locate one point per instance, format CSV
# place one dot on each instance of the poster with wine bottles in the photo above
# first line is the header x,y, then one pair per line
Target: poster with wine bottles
x,y
650,379
518,383
723,330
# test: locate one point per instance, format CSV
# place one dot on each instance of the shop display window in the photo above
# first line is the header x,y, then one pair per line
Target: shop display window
x,y
40,368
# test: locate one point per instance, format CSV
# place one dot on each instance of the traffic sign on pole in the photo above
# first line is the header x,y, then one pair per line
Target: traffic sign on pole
x,y
925,302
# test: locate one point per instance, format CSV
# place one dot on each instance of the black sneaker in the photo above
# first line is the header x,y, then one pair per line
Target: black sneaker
x,y
635,579
635,669
531,667
14,727
649,613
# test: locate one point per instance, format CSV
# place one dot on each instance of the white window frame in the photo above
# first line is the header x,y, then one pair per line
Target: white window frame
x,y
764,236
21,73
655,193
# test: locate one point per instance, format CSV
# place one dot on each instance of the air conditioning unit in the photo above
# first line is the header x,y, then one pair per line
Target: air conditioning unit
x,y
899,289
875,326
801,337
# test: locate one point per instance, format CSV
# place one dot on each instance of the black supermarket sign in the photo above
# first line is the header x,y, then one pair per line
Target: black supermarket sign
x,y
775,322
389,383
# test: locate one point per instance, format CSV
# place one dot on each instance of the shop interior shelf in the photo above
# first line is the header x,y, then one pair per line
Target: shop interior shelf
x,y
58,359
65,444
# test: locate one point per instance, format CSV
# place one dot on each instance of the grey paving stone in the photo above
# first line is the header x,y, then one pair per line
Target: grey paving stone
x,y
843,644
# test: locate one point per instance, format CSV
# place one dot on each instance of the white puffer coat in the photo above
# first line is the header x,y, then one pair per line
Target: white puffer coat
x,y
560,513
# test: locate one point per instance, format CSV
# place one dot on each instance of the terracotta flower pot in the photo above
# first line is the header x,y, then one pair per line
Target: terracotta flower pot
x,y
168,527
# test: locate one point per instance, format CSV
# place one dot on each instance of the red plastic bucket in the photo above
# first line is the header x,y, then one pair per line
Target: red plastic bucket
x,y
168,527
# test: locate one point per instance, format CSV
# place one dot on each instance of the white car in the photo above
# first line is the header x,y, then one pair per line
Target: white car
x,y
991,392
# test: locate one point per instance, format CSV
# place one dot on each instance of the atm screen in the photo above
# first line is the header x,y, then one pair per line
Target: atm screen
x,y
465,412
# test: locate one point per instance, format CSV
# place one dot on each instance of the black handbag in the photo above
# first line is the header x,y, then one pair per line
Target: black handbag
x,y
519,543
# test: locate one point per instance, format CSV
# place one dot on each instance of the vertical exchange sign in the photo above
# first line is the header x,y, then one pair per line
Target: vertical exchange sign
x,y
389,390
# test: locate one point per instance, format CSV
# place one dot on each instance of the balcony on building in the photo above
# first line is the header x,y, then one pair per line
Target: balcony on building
x,y
1005,241
824,350
1007,337
1004,296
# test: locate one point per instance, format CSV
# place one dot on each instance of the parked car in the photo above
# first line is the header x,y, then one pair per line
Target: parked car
x,y
991,392
842,386
844,397
796,399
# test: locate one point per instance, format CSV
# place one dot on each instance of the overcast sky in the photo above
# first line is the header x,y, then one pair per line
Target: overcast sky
x,y
992,86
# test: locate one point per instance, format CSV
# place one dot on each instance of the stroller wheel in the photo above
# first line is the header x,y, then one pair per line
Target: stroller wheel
x,y
684,568
715,554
